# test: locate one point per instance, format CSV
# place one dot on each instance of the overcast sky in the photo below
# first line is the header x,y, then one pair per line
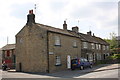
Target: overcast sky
x,y
99,16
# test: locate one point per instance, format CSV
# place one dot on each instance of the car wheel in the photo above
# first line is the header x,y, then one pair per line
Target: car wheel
x,y
91,66
81,67
72,69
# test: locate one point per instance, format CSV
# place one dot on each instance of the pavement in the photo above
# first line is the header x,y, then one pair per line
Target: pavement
x,y
74,73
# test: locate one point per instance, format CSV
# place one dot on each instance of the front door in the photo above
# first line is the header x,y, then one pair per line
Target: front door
x,y
68,62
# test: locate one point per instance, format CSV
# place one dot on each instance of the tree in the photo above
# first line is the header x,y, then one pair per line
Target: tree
x,y
112,41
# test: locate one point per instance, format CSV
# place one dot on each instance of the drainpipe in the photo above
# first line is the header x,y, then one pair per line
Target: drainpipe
x,y
48,52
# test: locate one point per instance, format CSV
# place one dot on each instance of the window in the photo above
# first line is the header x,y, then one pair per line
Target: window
x,y
84,44
93,45
8,53
107,47
98,56
21,40
58,61
96,46
57,41
90,57
75,43
99,47
103,47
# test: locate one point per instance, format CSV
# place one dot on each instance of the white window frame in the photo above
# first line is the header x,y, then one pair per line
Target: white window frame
x,y
58,60
99,56
74,43
104,47
97,46
85,45
92,45
57,41
107,47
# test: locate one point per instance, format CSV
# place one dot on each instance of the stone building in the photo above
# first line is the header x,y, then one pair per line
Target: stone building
x,y
42,48
8,55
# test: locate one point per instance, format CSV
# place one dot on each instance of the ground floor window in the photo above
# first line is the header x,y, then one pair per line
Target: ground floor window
x,y
58,61
90,57
98,56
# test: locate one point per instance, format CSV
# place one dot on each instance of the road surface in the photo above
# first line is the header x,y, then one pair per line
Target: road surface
x,y
100,71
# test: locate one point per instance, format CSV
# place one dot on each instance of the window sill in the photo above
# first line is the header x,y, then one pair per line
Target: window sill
x,y
75,47
58,65
58,45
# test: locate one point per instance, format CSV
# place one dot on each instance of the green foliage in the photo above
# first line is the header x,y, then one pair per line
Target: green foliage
x,y
112,41
115,56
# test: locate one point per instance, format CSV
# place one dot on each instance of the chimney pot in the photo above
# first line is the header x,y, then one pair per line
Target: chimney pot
x,y
30,18
30,11
89,33
93,34
65,25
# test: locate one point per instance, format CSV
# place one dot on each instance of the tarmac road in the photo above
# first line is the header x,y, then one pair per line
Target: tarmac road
x,y
100,71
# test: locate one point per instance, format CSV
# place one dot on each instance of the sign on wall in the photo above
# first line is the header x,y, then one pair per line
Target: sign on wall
x,y
51,53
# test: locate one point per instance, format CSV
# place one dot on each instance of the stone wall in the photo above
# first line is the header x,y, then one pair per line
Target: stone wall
x,y
31,49
66,48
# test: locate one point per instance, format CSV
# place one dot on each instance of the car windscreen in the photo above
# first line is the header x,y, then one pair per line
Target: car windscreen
x,y
74,61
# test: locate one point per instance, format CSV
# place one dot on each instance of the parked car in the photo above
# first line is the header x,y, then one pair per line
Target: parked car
x,y
80,63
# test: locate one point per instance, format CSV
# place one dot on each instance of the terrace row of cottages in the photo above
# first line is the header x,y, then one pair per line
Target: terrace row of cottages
x,y
42,48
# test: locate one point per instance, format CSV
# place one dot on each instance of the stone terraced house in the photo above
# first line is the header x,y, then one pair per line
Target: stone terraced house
x,y
42,48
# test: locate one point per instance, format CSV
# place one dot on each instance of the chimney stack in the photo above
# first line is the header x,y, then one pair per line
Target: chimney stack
x,y
89,33
93,34
75,29
65,25
30,18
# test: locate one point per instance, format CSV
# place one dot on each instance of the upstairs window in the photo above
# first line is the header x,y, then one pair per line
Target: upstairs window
x,y
99,47
103,47
92,45
8,53
57,41
85,45
75,44
96,46
107,47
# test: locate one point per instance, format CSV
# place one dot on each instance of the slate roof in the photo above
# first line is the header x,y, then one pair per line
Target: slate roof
x,y
101,41
83,37
53,29
8,47
89,38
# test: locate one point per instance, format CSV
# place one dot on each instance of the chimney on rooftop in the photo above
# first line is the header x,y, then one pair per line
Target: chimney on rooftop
x,y
75,29
65,25
30,17
93,34
89,33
